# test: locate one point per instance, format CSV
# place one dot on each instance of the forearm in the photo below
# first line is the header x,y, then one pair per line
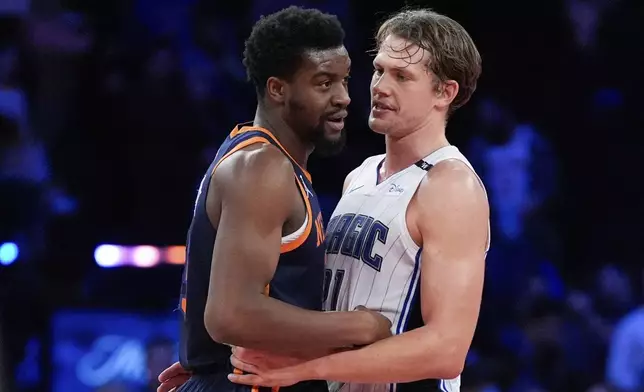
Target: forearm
x,y
307,354
271,325
415,355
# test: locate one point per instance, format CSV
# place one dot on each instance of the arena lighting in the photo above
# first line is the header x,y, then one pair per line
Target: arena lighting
x,y
8,253
140,256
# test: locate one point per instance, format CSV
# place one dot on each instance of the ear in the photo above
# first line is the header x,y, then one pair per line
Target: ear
x,y
276,89
446,93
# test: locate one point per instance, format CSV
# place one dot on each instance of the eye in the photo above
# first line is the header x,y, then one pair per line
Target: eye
x,y
326,84
401,77
346,80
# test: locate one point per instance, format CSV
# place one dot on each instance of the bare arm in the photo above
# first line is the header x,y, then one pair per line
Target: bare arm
x,y
258,193
450,212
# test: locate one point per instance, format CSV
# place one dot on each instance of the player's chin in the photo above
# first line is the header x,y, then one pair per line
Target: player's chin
x,y
378,125
334,136
330,144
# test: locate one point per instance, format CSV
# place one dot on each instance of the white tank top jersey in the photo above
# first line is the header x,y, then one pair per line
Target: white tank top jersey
x,y
372,259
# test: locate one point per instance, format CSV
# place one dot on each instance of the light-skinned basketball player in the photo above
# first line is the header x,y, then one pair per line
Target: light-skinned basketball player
x,y
411,231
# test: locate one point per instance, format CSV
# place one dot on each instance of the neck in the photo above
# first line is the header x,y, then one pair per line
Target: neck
x,y
405,151
272,121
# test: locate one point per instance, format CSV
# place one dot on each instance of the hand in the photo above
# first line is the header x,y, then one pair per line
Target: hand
x,y
173,377
381,325
283,377
262,359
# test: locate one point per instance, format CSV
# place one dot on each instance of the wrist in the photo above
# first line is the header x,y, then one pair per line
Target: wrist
x,y
313,370
365,331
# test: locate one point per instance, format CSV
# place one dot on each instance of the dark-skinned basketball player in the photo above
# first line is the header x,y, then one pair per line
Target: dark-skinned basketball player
x,y
255,254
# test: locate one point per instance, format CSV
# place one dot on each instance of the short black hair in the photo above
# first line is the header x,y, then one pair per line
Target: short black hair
x,y
278,41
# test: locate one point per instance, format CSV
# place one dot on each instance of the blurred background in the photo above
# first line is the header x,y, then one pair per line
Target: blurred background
x,y
111,110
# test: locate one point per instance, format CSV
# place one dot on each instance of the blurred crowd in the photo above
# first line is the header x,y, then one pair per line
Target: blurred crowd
x,y
110,111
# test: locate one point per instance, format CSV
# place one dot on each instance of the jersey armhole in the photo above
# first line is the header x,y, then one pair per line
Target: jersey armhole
x,y
411,247
308,221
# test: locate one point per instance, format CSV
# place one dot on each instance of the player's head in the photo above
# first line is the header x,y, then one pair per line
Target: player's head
x,y
298,63
426,67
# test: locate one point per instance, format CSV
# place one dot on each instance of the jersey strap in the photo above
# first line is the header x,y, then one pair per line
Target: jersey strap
x,y
424,165
257,131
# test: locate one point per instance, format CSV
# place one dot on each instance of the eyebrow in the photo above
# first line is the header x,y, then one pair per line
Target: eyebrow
x,y
328,74
404,69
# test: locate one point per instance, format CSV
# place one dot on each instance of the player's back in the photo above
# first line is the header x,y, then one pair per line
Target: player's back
x,y
297,280
372,259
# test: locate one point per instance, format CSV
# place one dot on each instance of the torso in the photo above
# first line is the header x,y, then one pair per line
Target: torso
x,y
299,275
373,254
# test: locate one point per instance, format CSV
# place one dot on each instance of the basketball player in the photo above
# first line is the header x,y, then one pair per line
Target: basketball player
x,y
257,220
410,234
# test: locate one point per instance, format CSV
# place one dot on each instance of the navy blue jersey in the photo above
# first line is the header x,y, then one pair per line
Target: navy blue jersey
x,y
298,279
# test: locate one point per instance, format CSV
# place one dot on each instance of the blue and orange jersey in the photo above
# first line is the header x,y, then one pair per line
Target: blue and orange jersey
x,y
298,278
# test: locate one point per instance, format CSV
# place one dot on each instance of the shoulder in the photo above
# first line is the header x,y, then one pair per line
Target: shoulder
x,y
453,172
451,185
259,165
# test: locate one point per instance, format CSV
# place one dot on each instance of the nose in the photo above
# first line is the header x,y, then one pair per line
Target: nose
x,y
342,98
380,85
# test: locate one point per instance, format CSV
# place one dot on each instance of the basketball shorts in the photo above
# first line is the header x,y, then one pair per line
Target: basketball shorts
x,y
220,383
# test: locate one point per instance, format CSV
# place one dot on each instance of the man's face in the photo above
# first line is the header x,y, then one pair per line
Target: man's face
x,y
403,90
317,98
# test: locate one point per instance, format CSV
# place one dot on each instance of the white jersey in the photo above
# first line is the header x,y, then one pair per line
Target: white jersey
x,y
372,259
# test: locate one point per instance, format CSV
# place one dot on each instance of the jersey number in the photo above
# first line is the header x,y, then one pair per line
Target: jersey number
x,y
333,288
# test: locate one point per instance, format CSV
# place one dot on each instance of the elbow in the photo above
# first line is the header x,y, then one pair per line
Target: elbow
x,y
449,364
451,369
221,324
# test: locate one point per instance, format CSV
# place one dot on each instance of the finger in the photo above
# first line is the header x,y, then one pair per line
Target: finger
x,y
241,365
165,388
247,379
173,383
174,370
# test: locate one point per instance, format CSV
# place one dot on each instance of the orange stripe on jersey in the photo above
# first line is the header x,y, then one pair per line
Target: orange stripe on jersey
x,y
245,143
319,227
183,305
309,222
236,131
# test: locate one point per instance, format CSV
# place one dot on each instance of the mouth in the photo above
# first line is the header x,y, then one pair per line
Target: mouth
x,y
380,109
338,116
336,121
381,106
335,125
